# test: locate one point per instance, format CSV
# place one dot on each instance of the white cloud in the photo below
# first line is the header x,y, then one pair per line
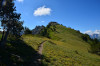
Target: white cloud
x,y
20,0
88,32
92,32
97,32
42,11
42,21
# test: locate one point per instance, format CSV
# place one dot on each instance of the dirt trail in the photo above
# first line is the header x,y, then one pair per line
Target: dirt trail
x,y
37,59
41,48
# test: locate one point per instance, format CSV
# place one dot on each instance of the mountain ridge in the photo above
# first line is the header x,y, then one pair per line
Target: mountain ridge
x,y
94,34
63,47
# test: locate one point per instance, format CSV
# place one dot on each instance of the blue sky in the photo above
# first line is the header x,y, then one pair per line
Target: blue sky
x,y
83,15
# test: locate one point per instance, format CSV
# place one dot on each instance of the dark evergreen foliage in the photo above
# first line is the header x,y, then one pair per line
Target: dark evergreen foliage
x,y
27,31
10,20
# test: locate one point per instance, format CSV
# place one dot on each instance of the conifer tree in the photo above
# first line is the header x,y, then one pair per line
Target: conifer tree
x,y
10,20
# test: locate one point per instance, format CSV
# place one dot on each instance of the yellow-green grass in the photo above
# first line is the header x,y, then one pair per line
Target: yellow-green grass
x,y
33,41
26,48
65,48
0,36
68,50
64,54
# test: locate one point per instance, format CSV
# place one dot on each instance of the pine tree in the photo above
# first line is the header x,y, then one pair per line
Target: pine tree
x,y
10,20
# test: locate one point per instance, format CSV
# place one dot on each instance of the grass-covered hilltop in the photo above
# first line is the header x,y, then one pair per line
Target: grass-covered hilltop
x,y
53,45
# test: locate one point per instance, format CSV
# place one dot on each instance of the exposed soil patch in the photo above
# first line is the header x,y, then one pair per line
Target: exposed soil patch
x,y
37,59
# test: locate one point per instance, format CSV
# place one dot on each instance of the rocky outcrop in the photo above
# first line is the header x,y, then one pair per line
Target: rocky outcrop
x,y
37,30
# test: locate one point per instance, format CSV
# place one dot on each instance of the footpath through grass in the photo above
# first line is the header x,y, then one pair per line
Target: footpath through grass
x,y
66,48
55,53
21,52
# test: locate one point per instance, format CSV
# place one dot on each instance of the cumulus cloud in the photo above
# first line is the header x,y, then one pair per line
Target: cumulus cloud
x,y
89,32
42,21
97,32
92,32
1,29
42,11
20,0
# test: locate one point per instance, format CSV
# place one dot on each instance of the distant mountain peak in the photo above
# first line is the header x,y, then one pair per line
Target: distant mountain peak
x,y
93,34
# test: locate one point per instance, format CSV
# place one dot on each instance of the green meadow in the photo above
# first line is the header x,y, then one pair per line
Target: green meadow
x,y
64,47
69,50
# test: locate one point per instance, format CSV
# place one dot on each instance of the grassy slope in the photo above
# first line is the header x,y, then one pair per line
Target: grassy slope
x,y
33,41
0,35
25,48
66,49
69,50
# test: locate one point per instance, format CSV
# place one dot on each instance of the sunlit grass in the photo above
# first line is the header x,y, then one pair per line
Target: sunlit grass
x,y
66,49
33,41
69,50
64,54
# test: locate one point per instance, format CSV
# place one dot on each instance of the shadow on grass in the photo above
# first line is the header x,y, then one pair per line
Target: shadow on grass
x,y
18,53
